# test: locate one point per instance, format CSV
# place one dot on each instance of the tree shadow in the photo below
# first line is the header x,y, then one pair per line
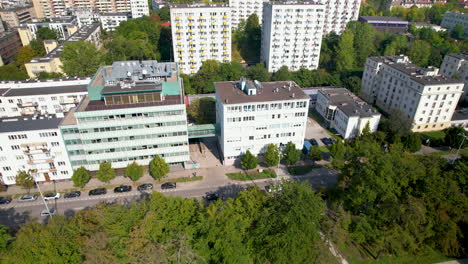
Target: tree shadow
x,y
229,191
13,219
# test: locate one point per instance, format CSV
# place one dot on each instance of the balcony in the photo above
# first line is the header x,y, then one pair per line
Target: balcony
x,y
36,151
27,104
69,101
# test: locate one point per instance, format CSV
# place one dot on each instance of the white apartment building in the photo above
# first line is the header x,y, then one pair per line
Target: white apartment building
x,y
200,32
63,26
110,21
252,115
139,8
292,35
453,18
345,112
456,65
33,144
339,13
38,98
422,95
242,9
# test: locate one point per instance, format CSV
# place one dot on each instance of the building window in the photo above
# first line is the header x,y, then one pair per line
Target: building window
x,y
15,147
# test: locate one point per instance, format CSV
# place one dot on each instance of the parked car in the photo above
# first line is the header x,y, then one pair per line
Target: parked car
x,y
212,196
5,200
122,188
145,187
98,191
272,188
327,141
168,185
51,196
48,213
313,142
27,198
72,194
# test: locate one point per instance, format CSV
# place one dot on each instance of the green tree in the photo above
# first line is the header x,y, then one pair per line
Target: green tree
x,y
258,72
315,153
158,168
412,142
345,54
291,154
458,31
249,161
353,83
202,110
81,58
105,172
11,72
231,71
364,35
164,13
419,52
45,33
5,237
272,155
134,171
338,151
38,47
24,55
49,75
454,137
282,74
25,180
80,177
165,44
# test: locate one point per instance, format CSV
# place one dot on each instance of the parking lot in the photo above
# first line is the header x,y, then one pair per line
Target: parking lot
x,y
316,131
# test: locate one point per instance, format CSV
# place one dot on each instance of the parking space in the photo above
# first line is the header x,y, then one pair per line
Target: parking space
x,y
316,131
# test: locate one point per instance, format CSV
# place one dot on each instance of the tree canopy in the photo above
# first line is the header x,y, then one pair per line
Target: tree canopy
x,y
81,58
80,177
158,167
249,161
105,172
134,171
25,180
202,111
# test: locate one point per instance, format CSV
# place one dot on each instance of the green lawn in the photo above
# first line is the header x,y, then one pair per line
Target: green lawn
x,y
252,175
434,135
301,170
182,179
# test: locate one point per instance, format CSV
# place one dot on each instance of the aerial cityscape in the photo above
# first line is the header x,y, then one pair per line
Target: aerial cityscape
x,y
233,131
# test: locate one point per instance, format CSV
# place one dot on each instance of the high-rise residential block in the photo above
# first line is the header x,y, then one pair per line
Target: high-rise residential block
x,y
242,9
456,65
10,44
338,13
292,34
200,32
15,16
422,96
252,115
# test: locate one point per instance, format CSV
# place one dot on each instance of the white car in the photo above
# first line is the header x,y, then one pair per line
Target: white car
x,y
51,196
27,198
48,213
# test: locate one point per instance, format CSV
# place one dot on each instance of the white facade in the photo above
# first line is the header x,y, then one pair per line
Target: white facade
x,y
33,145
200,32
292,35
345,112
339,13
456,65
110,21
423,96
40,98
260,114
453,18
242,9
139,8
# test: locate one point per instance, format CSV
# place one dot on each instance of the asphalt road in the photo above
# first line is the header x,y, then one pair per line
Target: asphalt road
x,y
17,213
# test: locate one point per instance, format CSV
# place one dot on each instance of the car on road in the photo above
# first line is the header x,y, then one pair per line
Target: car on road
x,y
72,194
327,141
145,187
48,213
313,142
98,191
27,198
168,185
212,196
51,196
5,200
122,188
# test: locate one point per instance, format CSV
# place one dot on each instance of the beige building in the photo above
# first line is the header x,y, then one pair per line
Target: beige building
x,y
13,17
64,26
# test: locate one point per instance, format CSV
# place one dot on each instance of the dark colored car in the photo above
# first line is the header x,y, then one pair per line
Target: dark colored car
x,y
168,185
98,191
5,200
145,187
122,188
72,195
327,141
313,142
212,196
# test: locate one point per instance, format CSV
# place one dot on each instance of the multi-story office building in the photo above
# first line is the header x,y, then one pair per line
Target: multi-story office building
x,y
15,16
10,44
63,26
133,111
52,8
456,65
242,9
453,18
252,115
51,61
422,95
33,144
200,32
339,13
40,98
292,34
345,112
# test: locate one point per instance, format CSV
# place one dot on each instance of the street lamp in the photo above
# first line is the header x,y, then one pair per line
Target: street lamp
x,y
461,144
42,196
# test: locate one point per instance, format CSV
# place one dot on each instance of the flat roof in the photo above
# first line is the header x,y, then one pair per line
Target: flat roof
x,y
198,5
99,105
383,19
18,125
460,56
461,114
348,102
230,93
138,87
47,90
416,74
